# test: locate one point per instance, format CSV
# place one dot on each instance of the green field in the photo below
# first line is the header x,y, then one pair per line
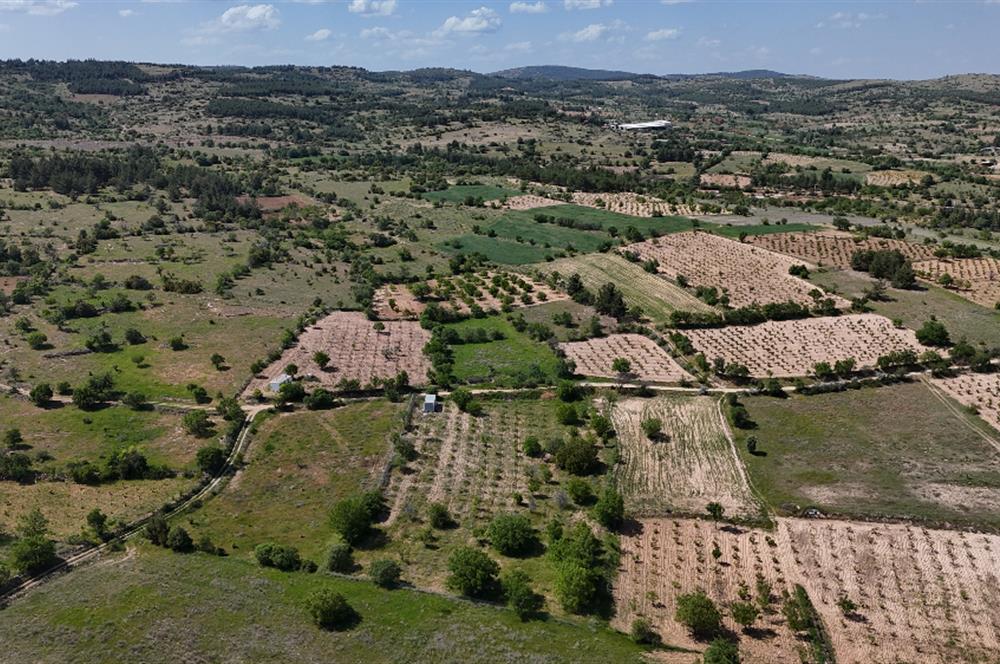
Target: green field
x,y
196,607
654,294
894,451
512,360
606,219
298,466
459,193
961,317
548,235
498,250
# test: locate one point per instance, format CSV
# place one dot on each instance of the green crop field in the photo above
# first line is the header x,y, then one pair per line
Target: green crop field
x,y
506,252
515,359
873,452
461,192
606,219
202,608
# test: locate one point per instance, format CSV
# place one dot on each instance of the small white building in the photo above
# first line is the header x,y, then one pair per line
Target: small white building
x,y
430,403
652,125
278,381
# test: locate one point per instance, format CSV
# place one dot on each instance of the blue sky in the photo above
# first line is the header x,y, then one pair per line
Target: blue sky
x,y
903,39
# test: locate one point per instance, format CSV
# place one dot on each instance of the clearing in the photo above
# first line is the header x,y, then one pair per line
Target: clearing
x,y
690,464
793,347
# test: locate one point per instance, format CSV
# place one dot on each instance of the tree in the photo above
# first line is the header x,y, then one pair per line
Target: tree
x,y
511,534
292,369
744,613
197,424
933,333
285,558
577,456
652,427
12,438
41,394
321,359
472,572
520,596
97,521
156,530
320,399
179,540
438,516
339,558
33,551
577,586
211,459
353,516
643,632
752,443
218,361
698,613
715,510
722,651
37,340
330,610
384,572
622,367
609,511
602,427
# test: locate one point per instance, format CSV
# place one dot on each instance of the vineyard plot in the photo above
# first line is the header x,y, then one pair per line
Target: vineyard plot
x,y
975,279
648,362
831,248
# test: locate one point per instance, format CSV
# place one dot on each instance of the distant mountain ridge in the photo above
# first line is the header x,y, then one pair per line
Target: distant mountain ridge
x,y
564,73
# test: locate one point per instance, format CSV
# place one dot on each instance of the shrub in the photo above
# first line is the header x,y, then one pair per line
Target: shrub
x,y
156,530
339,558
37,340
384,572
577,587
134,400
698,613
511,534
722,651
472,572
933,333
285,558
577,456
532,447
179,540
330,610
609,511
520,597
320,399
439,517
744,613
652,427
353,517
211,459
642,632
33,554
41,394
197,424
580,491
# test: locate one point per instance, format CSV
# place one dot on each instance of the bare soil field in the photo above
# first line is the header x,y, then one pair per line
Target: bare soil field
x,y
793,347
357,351
491,291
976,279
894,178
923,595
975,390
654,294
530,202
8,284
749,274
472,465
725,181
632,204
832,248
649,362
691,464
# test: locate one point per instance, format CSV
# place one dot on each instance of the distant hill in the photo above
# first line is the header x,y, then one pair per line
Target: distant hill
x,y
561,73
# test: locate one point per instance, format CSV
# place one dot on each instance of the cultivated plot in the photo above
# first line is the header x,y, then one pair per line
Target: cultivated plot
x,y
632,204
748,274
688,465
647,361
530,202
975,390
793,347
835,249
357,351
977,279
656,296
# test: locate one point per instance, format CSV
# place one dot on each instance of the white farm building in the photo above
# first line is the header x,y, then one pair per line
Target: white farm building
x,y
652,125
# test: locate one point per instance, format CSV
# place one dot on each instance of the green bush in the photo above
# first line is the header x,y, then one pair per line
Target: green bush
x,y
580,491
439,517
353,517
339,558
384,572
519,595
722,651
699,614
511,534
472,572
610,508
330,610
285,558
179,540
577,456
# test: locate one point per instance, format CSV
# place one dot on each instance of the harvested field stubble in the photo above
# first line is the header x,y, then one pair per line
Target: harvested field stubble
x,y
649,362
357,351
923,595
530,202
690,464
836,249
793,347
749,274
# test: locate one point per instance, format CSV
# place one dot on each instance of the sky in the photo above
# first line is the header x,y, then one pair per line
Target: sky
x,y
905,39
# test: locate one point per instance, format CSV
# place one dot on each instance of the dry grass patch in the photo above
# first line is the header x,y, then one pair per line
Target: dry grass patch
x,y
530,202
649,362
834,248
690,464
976,279
749,274
725,181
793,347
894,178
357,351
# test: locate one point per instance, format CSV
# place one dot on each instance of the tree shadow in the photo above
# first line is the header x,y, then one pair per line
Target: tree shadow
x,y
760,633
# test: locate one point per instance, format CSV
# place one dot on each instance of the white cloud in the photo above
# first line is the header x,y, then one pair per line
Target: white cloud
x,y
243,18
815,50
38,7
848,20
592,32
320,35
376,33
708,42
675,2
528,7
476,22
372,7
519,47
586,4
662,34
125,13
